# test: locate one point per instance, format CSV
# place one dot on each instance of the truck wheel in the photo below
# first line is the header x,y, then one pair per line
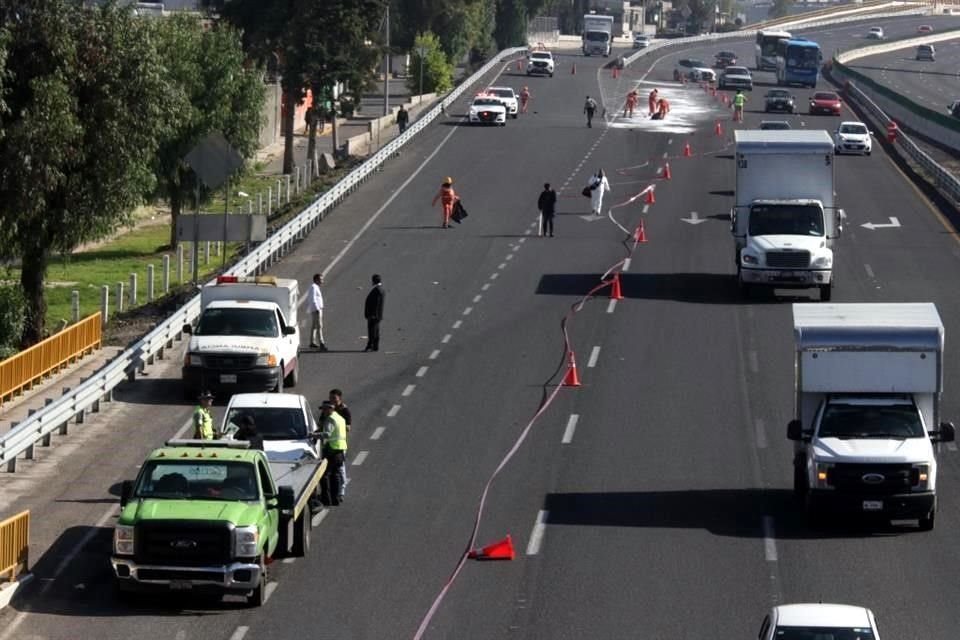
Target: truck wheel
x,y
279,387
799,482
926,524
301,534
826,292
294,377
258,596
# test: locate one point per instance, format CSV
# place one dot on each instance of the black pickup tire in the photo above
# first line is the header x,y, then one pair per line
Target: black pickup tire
x,y
258,596
826,292
301,534
291,380
927,523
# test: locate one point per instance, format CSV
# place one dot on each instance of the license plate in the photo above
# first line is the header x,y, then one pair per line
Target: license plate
x,y
873,505
228,378
180,585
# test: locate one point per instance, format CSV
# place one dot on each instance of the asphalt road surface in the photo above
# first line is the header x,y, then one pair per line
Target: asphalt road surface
x,y
651,502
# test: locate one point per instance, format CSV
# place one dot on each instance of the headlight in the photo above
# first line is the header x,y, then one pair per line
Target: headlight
x,y
749,259
920,477
245,541
266,360
823,262
193,360
123,542
821,477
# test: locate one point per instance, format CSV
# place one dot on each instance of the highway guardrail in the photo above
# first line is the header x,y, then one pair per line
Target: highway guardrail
x,y
20,371
14,546
39,427
863,7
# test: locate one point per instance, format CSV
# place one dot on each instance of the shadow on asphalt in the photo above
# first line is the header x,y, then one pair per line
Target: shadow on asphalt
x,y
165,391
723,512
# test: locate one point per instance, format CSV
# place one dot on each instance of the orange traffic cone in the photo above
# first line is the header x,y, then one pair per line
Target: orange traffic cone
x,y
666,171
572,378
650,199
502,550
615,293
718,129
640,235
687,151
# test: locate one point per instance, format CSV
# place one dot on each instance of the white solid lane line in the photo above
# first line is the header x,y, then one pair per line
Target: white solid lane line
x,y
359,458
377,433
536,536
408,390
422,371
571,427
594,354
240,633
769,543
394,410
271,587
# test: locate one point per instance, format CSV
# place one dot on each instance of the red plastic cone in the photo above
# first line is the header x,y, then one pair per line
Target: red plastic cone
x,y
640,235
502,550
666,171
615,293
572,378
687,151
650,198
718,129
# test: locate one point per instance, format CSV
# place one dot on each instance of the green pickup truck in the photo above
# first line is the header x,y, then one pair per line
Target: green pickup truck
x,y
210,516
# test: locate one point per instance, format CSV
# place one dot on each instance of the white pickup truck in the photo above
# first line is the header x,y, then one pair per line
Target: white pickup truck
x,y
246,338
284,421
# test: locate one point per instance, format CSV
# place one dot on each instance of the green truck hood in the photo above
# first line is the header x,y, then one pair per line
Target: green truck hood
x,y
240,514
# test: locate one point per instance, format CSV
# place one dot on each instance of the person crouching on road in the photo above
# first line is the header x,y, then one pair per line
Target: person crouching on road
x,y
333,430
202,419
663,108
447,197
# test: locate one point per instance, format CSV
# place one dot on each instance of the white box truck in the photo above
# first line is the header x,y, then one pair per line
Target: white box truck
x,y
597,38
785,219
246,339
867,426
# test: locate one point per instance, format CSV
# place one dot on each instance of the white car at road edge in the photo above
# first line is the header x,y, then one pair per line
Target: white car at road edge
x,y
853,137
487,109
508,97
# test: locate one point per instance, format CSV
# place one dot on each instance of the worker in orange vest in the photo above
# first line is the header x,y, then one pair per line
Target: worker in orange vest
x,y
663,108
447,197
524,99
652,100
632,98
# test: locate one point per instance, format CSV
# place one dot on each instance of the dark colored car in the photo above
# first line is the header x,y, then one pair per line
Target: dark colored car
x,y
825,102
724,59
779,100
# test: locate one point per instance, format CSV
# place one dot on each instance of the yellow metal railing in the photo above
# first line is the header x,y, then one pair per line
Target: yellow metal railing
x,y
14,545
21,371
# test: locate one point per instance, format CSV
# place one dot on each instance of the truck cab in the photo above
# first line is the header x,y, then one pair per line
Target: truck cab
x,y
785,221
869,379
246,338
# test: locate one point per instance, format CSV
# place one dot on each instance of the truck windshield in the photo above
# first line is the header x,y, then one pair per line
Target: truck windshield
x,y
786,220
192,480
843,420
597,36
272,423
255,323
833,633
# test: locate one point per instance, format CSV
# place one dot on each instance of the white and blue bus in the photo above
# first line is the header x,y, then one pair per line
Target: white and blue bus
x,y
798,62
766,48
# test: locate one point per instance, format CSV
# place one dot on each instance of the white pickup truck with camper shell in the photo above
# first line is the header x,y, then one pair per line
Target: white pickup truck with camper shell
x,y
785,220
246,339
867,428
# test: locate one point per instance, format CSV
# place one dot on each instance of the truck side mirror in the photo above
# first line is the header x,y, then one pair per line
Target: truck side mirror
x,y
126,492
188,328
794,430
947,433
289,331
286,498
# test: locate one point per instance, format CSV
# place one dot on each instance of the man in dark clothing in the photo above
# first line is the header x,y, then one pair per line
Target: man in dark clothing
x,y
248,431
589,107
547,203
373,312
403,117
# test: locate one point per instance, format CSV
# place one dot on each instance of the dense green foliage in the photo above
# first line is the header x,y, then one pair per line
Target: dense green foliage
x,y
437,70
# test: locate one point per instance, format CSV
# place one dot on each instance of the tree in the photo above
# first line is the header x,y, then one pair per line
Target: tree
x,y
437,70
87,106
215,91
511,23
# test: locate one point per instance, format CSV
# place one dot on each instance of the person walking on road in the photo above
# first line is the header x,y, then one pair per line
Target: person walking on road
x,y
652,101
316,314
632,98
524,99
447,197
598,186
403,118
738,101
547,203
333,432
373,312
202,419
589,108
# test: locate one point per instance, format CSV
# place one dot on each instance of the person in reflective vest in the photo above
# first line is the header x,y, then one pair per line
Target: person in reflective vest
x,y
447,197
652,101
202,420
333,430
631,104
524,99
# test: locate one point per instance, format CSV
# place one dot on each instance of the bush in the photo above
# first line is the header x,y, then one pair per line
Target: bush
x,y
13,316
437,70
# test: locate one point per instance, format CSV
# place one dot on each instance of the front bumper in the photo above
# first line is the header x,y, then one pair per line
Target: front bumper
x,y
852,147
737,84
237,576
232,381
545,70
893,507
787,278
780,106
488,119
831,111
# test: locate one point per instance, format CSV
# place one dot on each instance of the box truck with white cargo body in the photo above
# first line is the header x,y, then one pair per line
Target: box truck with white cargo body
x,y
785,219
597,36
246,339
867,427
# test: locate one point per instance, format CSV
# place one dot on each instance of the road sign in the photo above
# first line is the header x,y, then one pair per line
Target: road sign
x,y
214,160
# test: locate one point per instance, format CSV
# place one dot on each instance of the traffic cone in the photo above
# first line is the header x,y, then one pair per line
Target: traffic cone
x,y
666,171
640,235
502,550
718,129
573,69
615,293
650,199
572,378
687,151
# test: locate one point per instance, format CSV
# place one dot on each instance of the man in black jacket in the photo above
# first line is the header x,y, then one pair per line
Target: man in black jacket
x,y
547,203
373,312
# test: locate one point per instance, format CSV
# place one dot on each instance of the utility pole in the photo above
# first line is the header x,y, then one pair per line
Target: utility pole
x,y
386,67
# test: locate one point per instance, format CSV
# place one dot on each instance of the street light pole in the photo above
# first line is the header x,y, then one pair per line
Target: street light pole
x,y
421,52
386,68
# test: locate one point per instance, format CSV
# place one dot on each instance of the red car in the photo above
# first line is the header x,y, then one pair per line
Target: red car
x,y
924,28
825,102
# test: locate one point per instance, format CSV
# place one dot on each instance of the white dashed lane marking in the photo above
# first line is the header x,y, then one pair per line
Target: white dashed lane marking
x,y
394,410
434,354
869,270
240,633
494,276
477,298
769,543
271,587
360,457
754,361
536,536
761,433
422,371
446,338
456,325
377,433
319,517
408,390
502,265
626,264
571,427
594,354
468,311
611,306
486,285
